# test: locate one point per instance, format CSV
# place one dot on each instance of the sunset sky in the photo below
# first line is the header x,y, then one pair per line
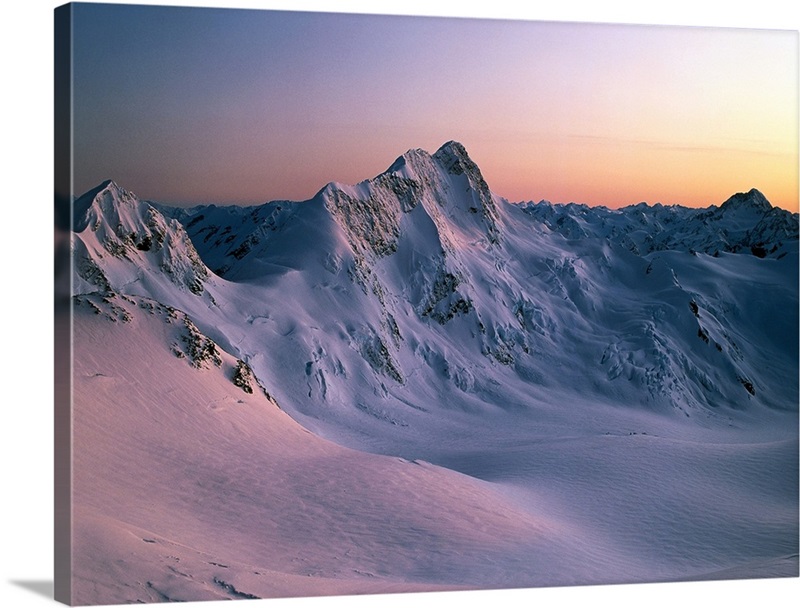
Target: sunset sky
x,y
214,105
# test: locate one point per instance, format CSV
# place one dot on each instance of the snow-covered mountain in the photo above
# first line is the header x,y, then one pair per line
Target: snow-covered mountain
x,y
418,315
124,241
745,223
423,272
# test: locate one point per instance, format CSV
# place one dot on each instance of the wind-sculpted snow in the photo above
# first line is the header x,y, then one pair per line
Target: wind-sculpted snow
x,y
418,315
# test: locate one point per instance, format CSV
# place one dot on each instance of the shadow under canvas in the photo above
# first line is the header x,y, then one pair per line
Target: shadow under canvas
x,y
39,587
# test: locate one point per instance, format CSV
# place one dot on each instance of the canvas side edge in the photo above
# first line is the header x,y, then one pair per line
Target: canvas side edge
x,y
62,364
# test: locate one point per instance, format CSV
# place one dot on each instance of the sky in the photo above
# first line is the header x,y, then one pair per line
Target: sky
x,y
190,106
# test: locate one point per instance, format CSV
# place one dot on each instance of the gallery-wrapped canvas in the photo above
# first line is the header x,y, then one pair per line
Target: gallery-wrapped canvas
x,y
362,304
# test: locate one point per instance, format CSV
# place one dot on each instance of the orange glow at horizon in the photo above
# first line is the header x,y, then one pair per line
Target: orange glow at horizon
x,y
619,174
286,102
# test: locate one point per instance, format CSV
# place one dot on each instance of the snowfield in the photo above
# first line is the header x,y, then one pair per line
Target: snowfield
x,y
412,384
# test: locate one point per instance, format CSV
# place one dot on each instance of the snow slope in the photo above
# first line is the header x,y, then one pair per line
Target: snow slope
x,y
202,490
603,395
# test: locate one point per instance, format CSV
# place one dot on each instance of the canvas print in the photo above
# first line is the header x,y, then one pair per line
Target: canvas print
x,y
361,304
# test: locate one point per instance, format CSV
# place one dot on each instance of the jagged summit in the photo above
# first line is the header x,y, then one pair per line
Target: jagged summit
x,y
448,155
89,195
122,240
416,163
112,210
410,157
108,189
453,156
452,146
447,186
753,199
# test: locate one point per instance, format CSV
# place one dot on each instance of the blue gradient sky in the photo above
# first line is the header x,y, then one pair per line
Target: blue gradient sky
x,y
216,105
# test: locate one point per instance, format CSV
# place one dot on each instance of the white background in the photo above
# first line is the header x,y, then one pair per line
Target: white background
x,y
26,550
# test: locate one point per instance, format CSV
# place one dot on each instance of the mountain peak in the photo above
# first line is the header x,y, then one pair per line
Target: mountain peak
x,y
124,239
83,203
453,146
412,157
109,186
454,157
748,200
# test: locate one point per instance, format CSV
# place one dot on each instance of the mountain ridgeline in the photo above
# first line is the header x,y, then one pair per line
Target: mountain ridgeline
x,y
370,305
